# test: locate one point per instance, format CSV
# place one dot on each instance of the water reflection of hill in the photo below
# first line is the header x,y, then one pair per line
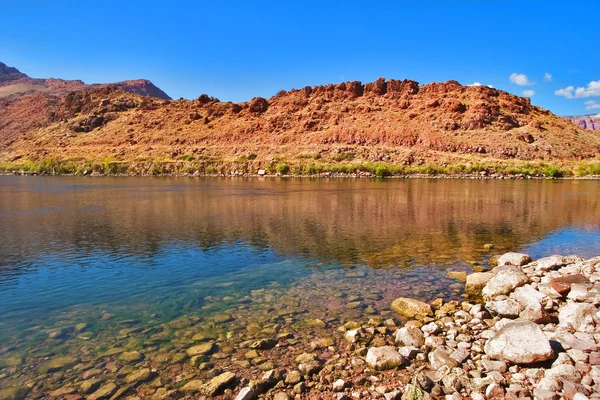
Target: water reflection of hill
x,y
379,223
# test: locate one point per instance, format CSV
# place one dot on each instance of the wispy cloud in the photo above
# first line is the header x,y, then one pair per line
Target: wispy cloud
x,y
520,79
528,93
570,92
592,105
548,77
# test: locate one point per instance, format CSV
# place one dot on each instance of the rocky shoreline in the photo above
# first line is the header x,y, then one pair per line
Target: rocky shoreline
x,y
367,175
529,329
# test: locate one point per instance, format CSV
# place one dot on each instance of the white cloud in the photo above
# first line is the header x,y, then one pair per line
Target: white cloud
x,y
520,79
566,92
548,77
592,105
479,84
570,92
528,93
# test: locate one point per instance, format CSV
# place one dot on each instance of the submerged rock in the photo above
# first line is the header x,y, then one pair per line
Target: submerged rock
x,y
218,383
142,375
14,393
104,392
411,308
476,282
519,342
200,350
58,363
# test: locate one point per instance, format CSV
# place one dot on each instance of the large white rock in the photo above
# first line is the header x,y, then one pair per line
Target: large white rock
x,y
577,315
549,263
516,259
527,295
519,342
507,308
535,313
507,280
410,336
384,357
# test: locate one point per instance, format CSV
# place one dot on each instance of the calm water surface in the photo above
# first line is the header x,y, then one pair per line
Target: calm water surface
x,y
146,253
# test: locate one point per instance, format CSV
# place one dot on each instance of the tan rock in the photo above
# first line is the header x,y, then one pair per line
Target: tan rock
x,y
411,308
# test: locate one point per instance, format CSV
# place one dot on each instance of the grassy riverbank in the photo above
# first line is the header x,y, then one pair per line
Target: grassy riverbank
x,y
279,166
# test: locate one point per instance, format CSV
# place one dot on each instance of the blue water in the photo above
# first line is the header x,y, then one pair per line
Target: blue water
x,y
76,247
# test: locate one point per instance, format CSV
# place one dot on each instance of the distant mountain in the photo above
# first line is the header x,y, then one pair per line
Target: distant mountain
x,y
15,83
9,73
591,121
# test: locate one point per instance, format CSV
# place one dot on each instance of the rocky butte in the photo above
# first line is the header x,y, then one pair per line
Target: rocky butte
x,y
591,122
383,127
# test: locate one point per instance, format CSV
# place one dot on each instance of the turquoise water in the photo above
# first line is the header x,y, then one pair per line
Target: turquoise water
x,y
143,254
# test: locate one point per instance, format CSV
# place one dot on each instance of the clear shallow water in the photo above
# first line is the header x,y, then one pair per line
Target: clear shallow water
x,y
150,252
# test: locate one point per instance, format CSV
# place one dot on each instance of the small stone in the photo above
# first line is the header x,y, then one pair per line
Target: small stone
x,y
305,357
299,388
439,358
494,391
218,383
141,375
263,344
460,355
409,336
431,328
246,394
408,352
131,356
104,392
339,385
315,323
492,365
293,377
383,358
351,336
89,386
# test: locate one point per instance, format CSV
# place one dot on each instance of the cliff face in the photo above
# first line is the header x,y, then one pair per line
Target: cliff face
x,y
14,83
591,122
392,121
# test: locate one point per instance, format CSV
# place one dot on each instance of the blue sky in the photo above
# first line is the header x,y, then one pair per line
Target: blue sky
x,y
236,50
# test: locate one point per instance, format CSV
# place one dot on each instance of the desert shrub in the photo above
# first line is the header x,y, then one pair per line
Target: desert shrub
x,y
382,171
283,168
